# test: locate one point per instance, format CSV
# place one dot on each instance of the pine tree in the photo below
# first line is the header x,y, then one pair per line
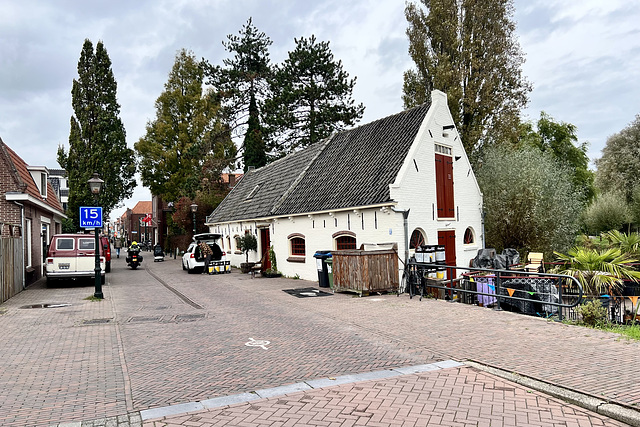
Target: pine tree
x,y
468,49
97,138
186,137
312,97
242,87
254,147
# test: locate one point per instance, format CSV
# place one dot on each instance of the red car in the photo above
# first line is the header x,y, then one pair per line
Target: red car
x,y
107,253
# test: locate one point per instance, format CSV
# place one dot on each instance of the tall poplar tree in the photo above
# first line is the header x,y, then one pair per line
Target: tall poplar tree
x,y
468,49
188,136
311,97
242,86
97,139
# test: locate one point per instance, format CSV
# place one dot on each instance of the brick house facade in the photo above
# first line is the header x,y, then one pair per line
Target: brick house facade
x,y
29,209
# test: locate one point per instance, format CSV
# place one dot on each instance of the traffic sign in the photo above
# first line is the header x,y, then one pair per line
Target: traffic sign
x,y
90,217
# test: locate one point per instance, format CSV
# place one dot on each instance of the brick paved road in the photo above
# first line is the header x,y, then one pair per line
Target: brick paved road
x,y
449,397
186,341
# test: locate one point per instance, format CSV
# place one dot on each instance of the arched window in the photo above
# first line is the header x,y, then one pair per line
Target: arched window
x,y
417,239
345,242
298,247
237,240
469,238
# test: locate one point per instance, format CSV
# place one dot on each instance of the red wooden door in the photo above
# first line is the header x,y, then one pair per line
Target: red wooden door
x,y
265,243
444,187
448,239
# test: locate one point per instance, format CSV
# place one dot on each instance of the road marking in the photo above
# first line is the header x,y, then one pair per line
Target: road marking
x,y
258,343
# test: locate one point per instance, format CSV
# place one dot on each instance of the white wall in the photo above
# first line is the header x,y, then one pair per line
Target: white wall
x,y
416,189
369,225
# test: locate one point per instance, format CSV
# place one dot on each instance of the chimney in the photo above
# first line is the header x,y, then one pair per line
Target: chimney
x,y
232,180
251,168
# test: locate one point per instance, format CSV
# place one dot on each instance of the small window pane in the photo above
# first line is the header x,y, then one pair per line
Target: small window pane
x,y
86,244
64,244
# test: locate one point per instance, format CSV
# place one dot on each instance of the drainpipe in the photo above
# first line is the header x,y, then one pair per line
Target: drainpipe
x,y
405,223
24,281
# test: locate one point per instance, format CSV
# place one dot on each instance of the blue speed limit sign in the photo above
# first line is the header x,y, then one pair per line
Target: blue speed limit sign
x,y
90,217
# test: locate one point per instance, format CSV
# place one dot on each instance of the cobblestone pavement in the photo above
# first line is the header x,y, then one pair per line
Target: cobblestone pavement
x,y
162,337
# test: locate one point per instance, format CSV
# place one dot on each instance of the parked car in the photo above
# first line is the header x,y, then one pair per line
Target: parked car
x,y
72,257
106,247
193,261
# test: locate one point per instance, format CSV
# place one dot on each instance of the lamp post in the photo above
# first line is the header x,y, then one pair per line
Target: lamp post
x,y
194,208
95,185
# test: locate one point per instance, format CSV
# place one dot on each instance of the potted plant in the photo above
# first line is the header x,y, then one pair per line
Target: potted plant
x,y
247,243
273,270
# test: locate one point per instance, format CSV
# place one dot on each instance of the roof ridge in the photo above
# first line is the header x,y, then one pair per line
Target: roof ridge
x,y
301,174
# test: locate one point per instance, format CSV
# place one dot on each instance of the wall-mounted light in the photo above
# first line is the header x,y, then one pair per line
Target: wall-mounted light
x,y
446,129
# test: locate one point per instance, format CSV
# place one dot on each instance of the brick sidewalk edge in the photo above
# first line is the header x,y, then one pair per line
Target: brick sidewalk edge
x,y
616,411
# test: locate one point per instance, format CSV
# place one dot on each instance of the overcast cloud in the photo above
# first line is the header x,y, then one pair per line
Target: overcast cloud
x,y
582,57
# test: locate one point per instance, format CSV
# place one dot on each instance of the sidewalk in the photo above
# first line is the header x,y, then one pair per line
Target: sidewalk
x,y
164,346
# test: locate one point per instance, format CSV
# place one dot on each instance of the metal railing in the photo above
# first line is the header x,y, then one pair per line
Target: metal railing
x,y
542,294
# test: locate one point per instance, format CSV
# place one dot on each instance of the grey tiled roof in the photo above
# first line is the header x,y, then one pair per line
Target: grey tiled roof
x,y
351,168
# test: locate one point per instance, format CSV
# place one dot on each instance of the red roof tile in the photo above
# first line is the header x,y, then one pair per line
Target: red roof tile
x,y
31,187
142,208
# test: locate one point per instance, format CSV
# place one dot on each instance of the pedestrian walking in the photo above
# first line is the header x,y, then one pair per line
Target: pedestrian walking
x,y
118,245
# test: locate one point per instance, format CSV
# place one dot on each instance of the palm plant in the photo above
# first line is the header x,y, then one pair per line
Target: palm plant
x,y
628,243
598,271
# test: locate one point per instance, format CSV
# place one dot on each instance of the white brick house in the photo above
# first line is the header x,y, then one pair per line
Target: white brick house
x,y
356,187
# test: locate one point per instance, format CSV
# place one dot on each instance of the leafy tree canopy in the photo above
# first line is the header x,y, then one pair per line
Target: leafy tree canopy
x,y
97,139
620,162
311,97
468,49
529,200
187,134
561,140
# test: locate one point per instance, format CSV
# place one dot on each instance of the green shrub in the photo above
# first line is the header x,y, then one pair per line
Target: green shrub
x,y
592,313
609,211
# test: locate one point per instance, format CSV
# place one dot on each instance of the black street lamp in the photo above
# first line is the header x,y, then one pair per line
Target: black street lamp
x,y
194,208
95,185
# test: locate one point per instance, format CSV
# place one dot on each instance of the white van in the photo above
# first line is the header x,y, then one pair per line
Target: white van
x,y
72,256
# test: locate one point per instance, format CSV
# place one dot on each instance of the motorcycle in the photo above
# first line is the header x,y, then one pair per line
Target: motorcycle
x,y
134,258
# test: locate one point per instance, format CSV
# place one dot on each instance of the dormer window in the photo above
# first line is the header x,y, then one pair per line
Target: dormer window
x,y
40,176
253,192
43,185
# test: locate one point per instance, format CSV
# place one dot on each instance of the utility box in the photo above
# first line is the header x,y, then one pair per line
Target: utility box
x,y
366,271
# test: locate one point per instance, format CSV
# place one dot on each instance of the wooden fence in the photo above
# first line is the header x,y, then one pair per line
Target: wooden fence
x,y
11,267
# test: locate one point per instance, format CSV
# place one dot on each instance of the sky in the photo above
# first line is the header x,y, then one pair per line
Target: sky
x,y
582,58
